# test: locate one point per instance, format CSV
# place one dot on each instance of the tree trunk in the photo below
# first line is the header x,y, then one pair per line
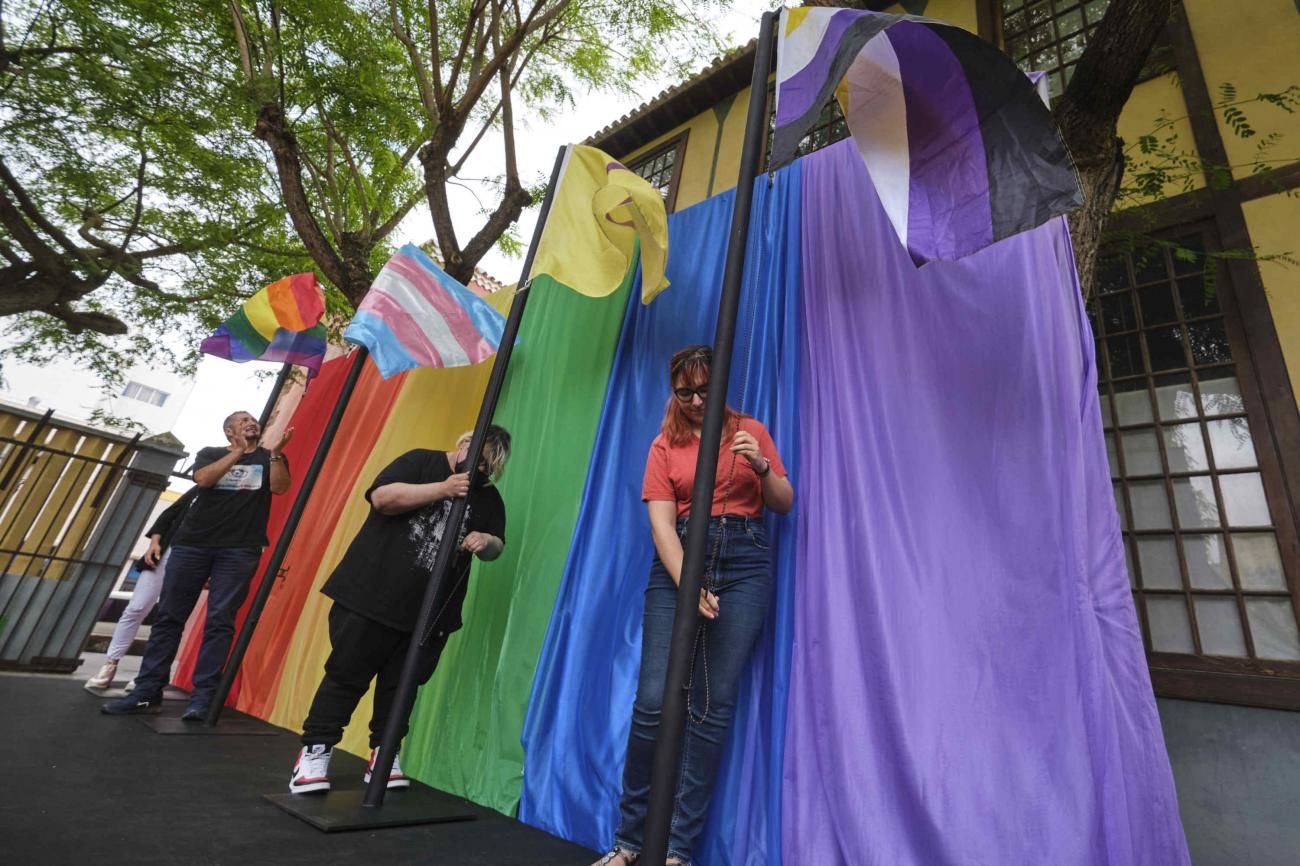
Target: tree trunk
x,y
349,267
1088,115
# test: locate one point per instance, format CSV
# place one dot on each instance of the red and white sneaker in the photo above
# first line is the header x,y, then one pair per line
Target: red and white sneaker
x,y
396,779
312,772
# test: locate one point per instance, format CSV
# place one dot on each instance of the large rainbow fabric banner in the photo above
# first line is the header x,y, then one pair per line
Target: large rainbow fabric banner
x,y
416,315
887,695
961,148
279,323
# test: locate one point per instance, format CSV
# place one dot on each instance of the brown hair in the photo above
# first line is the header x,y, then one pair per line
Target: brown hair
x,y
689,367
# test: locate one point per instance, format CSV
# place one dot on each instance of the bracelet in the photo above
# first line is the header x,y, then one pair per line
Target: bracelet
x,y
767,467
277,457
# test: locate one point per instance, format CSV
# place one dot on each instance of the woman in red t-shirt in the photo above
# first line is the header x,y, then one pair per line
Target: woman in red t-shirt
x,y
737,591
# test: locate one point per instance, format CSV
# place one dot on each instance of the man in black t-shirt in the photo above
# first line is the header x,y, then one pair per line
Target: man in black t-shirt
x,y
380,583
219,543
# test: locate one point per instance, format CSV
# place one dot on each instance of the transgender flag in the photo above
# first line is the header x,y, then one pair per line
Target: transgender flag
x,y
959,145
415,315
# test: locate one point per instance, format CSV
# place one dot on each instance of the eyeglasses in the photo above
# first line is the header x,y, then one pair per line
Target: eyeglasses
x,y
685,394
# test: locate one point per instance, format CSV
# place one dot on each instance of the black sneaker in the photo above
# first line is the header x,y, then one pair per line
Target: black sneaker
x,y
133,704
195,713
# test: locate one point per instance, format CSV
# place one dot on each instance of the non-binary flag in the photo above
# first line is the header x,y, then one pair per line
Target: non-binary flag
x,y
960,147
279,323
600,214
416,315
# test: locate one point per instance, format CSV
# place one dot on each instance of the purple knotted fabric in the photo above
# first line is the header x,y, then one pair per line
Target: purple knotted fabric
x,y
968,681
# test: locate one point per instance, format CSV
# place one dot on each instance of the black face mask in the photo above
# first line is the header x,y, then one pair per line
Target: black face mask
x,y
480,480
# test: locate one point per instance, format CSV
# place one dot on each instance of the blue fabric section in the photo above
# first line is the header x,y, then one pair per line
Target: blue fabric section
x,y
367,329
576,729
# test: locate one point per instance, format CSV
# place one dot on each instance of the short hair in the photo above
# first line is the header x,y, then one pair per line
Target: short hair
x,y
496,448
225,425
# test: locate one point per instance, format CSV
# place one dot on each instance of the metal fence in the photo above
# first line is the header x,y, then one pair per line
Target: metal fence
x,y
73,502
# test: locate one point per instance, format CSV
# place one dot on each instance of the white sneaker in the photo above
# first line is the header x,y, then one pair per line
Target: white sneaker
x,y
130,686
312,772
104,678
396,779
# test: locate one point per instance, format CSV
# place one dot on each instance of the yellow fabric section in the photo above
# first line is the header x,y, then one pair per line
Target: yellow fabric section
x,y
433,409
795,17
599,212
261,315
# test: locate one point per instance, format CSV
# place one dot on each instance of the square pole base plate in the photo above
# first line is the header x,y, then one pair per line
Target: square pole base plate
x,y
340,810
230,726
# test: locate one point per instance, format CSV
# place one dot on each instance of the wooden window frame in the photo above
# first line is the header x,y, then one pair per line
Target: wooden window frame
x,y
1250,681
677,144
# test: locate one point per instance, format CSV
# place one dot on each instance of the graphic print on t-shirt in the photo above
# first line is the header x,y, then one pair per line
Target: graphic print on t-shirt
x,y
242,476
427,530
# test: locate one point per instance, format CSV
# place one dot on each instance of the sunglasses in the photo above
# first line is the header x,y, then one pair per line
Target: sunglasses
x,y
685,394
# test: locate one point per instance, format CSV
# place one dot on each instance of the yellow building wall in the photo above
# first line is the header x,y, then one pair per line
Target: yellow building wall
x,y
1254,46
1273,224
1157,108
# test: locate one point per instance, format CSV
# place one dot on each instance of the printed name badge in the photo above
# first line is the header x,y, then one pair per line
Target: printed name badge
x,y
241,478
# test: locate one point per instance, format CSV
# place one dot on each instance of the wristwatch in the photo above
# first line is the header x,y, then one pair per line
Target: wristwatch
x,y
767,467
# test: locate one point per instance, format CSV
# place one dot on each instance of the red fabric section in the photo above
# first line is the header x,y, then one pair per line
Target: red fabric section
x,y
670,474
367,411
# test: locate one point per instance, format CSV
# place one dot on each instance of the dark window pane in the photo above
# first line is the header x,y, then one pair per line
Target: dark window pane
x,y
1209,342
1125,356
1188,255
1017,47
1095,9
1013,22
1112,274
1069,22
1039,38
1149,266
1198,299
1117,313
1157,305
1040,13
1072,48
1165,345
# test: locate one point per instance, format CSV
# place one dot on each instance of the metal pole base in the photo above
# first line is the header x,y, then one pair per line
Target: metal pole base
x,y
340,810
231,726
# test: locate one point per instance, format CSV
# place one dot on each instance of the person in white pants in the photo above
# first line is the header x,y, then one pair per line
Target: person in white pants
x,y
148,588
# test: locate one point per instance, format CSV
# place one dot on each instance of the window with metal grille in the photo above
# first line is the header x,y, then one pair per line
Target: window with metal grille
x,y
661,168
145,394
1208,572
830,128
1049,35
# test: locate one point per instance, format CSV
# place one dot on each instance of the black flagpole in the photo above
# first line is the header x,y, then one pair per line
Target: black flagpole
x,y
663,780
404,699
286,537
280,379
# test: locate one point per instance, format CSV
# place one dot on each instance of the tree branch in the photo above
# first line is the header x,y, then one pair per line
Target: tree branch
x,y
428,94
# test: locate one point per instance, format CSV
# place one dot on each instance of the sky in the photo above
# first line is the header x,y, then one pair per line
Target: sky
x,y
223,387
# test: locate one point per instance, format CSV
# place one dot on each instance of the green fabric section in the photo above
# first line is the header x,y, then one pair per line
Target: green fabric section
x,y
468,719
242,330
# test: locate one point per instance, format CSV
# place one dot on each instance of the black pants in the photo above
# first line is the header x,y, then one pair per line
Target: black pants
x,y
361,650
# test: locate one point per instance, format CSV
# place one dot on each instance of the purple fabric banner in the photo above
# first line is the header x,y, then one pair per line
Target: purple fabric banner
x,y
968,682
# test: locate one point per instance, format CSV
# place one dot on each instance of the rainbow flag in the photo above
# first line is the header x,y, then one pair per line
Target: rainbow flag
x,y
416,315
960,147
279,323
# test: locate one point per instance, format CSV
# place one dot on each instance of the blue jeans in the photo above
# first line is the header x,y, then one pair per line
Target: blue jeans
x,y
228,572
742,580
